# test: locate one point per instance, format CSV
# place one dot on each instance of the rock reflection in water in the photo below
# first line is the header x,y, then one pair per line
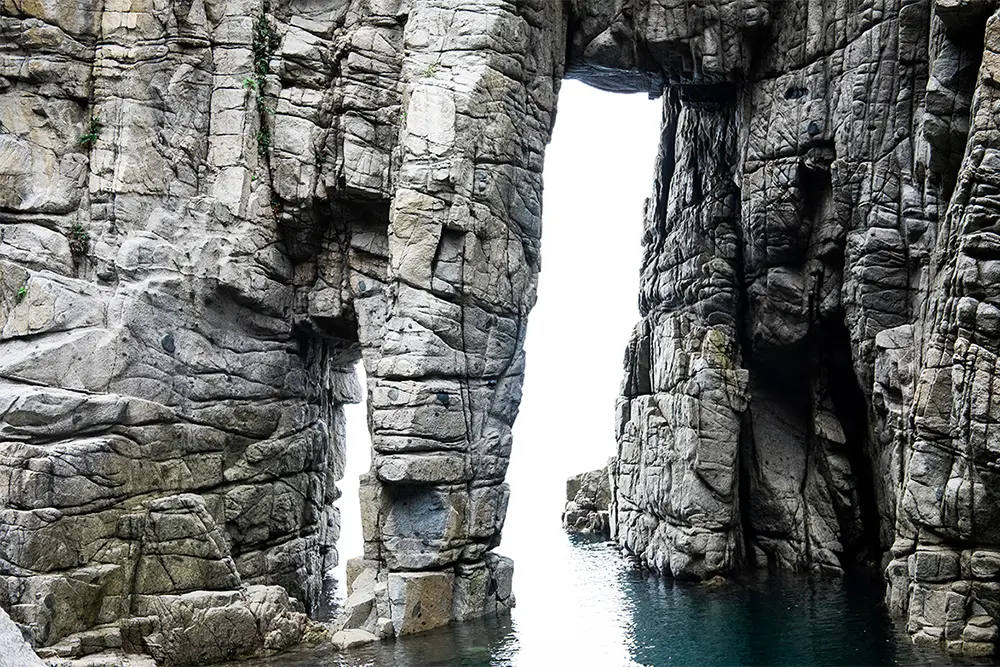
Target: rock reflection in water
x,y
595,611
481,643
765,620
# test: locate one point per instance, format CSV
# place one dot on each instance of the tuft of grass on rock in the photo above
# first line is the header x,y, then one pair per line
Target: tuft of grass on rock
x,y
89,138
79,240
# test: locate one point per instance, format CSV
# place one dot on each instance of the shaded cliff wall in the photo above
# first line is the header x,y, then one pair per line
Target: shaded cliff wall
x,y
845,294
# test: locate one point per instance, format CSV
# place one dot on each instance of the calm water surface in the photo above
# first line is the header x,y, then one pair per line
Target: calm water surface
x,y
612,615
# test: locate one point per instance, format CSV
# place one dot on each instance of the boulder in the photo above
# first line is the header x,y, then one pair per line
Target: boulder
x,y
588,496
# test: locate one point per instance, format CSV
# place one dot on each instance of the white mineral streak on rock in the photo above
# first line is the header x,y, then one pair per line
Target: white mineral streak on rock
x,y
14,651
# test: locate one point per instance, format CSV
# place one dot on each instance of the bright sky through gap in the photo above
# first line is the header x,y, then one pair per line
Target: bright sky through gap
x,y
598,172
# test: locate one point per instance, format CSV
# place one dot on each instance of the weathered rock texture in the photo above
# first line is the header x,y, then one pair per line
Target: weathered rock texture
x,y
811,385
588,496
14,651
211,209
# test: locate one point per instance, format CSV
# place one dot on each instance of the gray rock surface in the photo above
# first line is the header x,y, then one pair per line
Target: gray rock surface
x,y
14,651
211,209
588,496
810,386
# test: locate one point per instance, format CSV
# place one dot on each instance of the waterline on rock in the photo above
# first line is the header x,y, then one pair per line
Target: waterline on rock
x,y
594,609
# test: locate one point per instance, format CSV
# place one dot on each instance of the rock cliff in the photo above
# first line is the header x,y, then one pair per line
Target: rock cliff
x,y
210,210
811,383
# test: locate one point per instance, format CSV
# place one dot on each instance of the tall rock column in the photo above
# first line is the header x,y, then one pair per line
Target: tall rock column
x,y
675,483
946,555
675,479
445,372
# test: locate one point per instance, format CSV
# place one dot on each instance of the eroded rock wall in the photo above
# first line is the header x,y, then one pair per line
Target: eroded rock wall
x,y
211,209
945,555
675,476
853,306
171,405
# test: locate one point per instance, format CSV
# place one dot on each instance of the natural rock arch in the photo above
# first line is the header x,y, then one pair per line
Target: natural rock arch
x,y
211,208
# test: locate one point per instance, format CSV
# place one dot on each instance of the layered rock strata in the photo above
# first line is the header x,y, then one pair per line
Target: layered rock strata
x,y
210,210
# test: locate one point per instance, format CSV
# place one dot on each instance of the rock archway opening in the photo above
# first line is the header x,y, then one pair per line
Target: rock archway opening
x,y
596,189
596,178
357,462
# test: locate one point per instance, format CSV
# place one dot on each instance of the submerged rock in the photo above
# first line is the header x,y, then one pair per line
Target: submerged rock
x,y
345,639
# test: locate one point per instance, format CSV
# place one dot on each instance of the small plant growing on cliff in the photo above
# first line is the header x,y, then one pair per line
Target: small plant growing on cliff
x,y
431,69
22,292
89,138
263,142
79,240
265,41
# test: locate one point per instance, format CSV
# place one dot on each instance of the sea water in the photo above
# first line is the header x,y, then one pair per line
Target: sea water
x,y
592,607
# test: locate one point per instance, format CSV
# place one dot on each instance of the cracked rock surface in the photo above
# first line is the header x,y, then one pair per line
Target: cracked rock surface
x,y
810,386
210,210
588,496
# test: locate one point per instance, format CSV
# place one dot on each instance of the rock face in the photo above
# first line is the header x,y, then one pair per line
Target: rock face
x,y
211,209
810,386
13,649
588,496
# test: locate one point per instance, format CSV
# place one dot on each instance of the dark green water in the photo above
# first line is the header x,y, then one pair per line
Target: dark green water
x,y
612,615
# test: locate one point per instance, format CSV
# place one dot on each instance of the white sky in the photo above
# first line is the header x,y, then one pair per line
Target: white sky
x,y
598,171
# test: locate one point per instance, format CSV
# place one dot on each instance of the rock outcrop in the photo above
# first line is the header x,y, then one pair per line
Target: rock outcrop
x,y
588,496
210,210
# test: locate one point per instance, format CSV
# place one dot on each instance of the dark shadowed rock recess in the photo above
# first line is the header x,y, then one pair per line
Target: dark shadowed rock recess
x,y
211,209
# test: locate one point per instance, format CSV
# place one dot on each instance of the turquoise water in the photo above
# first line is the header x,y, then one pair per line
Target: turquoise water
x,y
616,616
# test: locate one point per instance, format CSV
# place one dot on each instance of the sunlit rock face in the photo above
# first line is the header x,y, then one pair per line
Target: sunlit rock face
x,y
210,210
